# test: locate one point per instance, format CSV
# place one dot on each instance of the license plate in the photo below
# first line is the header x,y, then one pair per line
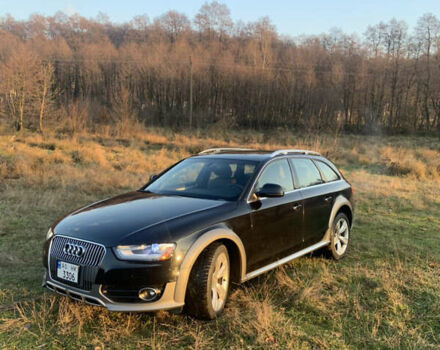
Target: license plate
x,y
68,272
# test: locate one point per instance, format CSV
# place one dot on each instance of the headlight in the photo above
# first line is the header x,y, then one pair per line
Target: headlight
x,y
143,252
49,234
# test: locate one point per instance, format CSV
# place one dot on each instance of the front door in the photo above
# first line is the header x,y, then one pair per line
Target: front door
x,y
276,222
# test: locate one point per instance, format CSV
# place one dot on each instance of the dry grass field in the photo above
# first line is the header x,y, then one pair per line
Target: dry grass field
x,y
384,294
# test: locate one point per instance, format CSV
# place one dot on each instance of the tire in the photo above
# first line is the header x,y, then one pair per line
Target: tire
x,y
206,297
340,237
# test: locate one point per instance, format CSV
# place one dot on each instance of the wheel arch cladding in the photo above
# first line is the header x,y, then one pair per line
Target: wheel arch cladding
x,y
340,203
236,253
234,258
347,211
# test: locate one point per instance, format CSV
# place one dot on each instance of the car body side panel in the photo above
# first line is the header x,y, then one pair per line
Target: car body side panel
x,y
318,204
316,213
276,229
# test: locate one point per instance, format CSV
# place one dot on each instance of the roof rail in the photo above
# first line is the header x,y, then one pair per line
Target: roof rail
x,y
220,150
294,151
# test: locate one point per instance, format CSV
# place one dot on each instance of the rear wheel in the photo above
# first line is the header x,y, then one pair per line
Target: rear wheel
x,y
208,284
340,236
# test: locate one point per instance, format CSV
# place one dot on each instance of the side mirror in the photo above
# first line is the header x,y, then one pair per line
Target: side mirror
x,y
153,177
270,191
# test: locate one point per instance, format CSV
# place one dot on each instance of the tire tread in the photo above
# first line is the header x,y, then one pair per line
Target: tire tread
x,y
197,294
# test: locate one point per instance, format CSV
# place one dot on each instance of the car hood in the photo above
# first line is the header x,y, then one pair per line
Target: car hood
x,y
111,221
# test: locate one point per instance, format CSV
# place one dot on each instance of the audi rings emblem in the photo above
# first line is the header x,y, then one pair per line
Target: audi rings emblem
x,y
74,250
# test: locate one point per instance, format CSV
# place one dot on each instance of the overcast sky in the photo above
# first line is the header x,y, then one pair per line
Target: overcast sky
x,y
290,17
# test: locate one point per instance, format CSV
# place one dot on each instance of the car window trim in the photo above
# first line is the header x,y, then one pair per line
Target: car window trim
x,y
267,164
292,172
292,169
300,189
313,162
257,177
322,174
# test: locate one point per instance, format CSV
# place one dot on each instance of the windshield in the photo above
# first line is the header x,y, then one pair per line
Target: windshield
x,y
211,178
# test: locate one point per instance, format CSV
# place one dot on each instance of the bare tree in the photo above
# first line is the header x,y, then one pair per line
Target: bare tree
x,y
173,24
214,18
18,84
45,94
244,75
427,32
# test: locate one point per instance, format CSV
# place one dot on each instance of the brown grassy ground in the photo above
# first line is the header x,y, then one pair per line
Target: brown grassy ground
x,y
384,294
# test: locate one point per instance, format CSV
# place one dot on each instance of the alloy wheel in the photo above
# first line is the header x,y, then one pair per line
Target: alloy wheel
x,y
220,282
341,235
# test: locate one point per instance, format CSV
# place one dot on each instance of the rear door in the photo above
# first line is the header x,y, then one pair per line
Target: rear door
x,y
316,199
276,222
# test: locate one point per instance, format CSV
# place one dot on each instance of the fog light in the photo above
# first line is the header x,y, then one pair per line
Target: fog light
x,y
148,294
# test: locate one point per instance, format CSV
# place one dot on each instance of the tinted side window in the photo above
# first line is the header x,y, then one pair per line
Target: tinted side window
x,y
328,173
306,171
277,172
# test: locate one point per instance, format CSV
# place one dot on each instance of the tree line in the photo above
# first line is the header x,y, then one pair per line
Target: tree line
x,y
173,71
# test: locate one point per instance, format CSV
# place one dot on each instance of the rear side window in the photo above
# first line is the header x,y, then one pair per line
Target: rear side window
x,y
277,172
328,173
306,172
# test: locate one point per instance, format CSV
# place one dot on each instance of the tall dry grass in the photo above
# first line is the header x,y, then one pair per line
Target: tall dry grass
x,y
100,163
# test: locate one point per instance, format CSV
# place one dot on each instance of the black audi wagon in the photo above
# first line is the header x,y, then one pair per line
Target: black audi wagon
x,y
224,215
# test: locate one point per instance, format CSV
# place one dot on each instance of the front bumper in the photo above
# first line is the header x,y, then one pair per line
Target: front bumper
x,y
96,297
106,281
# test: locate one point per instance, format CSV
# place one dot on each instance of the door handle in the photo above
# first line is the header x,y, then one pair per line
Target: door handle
x,y
297,206
328,198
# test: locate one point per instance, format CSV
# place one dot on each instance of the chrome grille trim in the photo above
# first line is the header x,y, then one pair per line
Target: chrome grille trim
x,y
93,255
89,262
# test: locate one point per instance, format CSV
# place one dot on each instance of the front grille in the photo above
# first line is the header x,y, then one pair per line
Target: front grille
x,y
88,262
92,256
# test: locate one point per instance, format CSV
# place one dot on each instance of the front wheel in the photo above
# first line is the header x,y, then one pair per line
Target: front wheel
x,y
340,236
208,284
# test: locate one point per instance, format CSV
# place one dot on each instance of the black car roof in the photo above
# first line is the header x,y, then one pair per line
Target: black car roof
x,y
251,154
243,156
